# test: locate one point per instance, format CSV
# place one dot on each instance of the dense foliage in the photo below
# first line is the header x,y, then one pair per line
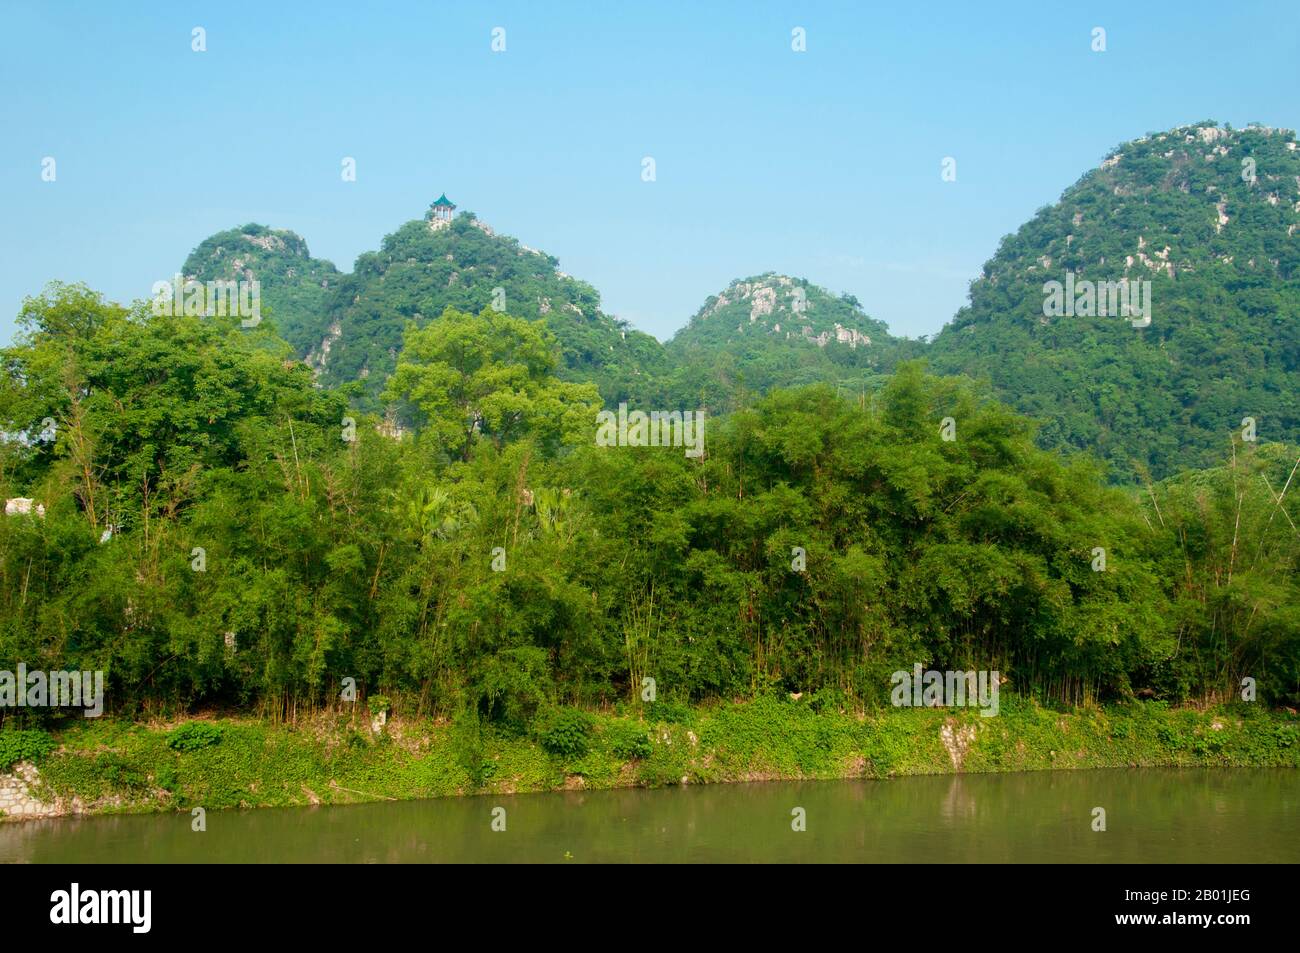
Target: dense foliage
x,y
1211,217
418,273
219,530
774,331
350,327
19,745
121,766
194,736
295,286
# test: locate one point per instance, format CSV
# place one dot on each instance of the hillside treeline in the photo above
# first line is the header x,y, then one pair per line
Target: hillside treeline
x,y
217,530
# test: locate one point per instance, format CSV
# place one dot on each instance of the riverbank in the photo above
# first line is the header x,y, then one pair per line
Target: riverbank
x,y
108,766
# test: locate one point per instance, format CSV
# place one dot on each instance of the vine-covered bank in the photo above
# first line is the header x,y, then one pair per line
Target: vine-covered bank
x,y
108,766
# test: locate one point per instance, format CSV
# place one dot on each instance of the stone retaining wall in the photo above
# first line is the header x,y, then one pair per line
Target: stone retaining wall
x,y
16,798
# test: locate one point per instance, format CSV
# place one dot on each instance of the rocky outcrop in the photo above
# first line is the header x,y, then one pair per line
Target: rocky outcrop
x,y
22,506
840,334
319,356
784,307
957,740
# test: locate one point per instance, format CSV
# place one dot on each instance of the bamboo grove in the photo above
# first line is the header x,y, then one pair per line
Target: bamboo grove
x,y
215,530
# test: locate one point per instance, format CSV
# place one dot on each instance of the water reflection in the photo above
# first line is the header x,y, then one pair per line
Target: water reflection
x,y
1152,816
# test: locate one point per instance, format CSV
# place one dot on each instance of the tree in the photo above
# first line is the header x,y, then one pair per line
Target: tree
x,y
470,377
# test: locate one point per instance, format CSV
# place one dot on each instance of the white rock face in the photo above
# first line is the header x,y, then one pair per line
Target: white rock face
x,y
957,741
781,297
268,242
318,358
762,302
22,506
850,336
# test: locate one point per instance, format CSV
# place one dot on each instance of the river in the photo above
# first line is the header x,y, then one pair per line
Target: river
x,y
1151,816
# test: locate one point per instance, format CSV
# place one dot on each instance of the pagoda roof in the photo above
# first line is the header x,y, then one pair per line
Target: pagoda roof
x,y
443,202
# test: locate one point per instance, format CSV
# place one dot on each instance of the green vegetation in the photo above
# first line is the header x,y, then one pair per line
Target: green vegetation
x,y
17,745
772,331
263,549
1223,258
194,735
417,274
295,286
1219,246
115,766
467,377
431,522
566,732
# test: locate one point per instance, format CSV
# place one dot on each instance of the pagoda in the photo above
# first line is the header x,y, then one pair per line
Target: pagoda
x,y
440,212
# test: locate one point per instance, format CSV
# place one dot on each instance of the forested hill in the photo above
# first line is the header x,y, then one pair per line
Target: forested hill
x,y
1204,217
759,333
773,331
1209,216
208,527
295,286
355,333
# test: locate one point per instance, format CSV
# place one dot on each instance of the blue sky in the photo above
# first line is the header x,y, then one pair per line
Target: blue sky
x,y
823,164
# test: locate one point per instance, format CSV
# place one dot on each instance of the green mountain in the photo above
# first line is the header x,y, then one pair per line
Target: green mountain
x,y
427,266
773,331
1210,216
295,287
349,327
1200,225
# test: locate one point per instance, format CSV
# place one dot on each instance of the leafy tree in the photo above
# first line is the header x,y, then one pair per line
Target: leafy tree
x,y
487,376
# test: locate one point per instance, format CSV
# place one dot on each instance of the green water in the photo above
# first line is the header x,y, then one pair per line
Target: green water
x,y
1152,816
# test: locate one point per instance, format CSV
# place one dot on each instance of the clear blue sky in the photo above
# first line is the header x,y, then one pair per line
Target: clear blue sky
x,y
823,164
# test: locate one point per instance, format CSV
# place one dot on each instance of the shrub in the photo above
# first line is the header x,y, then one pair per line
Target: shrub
x,y
628,740
18,746
829,699
194,735
165,777
468,745
672,713
379,703
118,772
513,686
566,732
1170,737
